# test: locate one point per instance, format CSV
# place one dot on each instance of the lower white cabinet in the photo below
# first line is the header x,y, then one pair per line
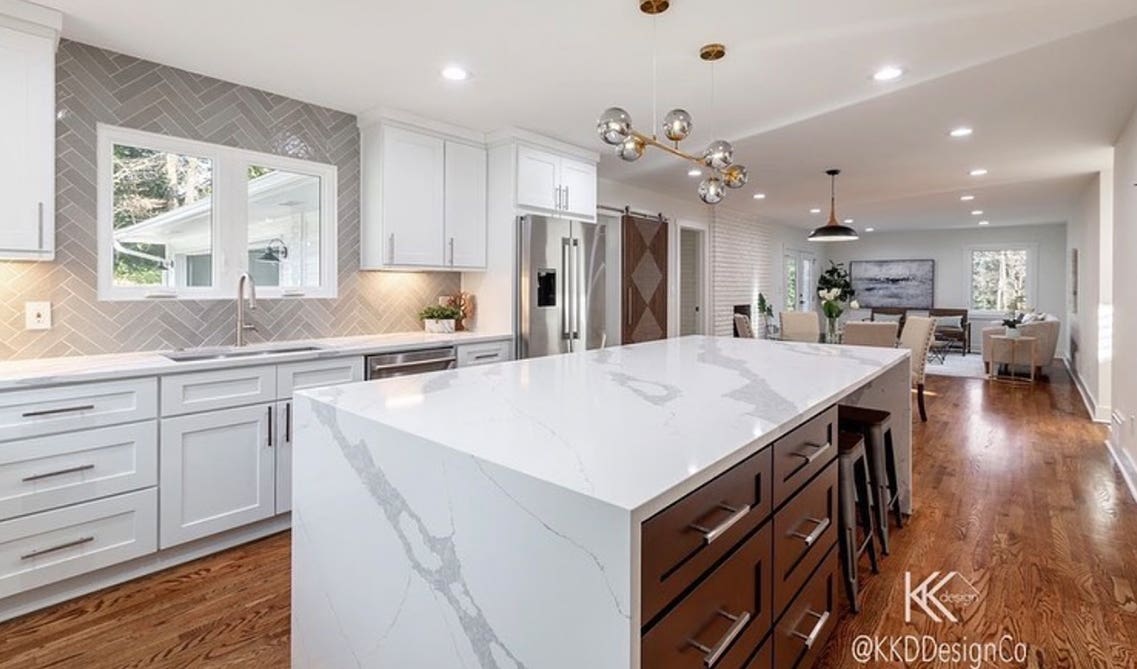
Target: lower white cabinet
x,y
217,471
485,353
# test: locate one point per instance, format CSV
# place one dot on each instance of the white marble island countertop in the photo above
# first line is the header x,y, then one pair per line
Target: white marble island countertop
x,y
633,426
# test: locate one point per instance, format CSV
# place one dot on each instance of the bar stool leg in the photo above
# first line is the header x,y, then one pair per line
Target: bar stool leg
x,y
865,501
893,482
875,442
848,534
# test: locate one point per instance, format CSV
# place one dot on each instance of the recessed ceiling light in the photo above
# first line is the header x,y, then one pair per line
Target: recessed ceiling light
x,y
848,221
759,196
978,172
966,198
455,73
694,173
962,131
976,212
815,210
869,229
984,222
888,73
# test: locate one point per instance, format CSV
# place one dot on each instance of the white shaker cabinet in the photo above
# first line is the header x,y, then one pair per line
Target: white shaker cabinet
x,y
465,205
216,472
578,180
554,184
411,199
27,145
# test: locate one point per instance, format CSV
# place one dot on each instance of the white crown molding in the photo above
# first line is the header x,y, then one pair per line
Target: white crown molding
x,y
519,135
414,122
31,18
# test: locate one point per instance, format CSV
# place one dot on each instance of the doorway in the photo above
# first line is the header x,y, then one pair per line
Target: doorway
x,y
799,278
692,281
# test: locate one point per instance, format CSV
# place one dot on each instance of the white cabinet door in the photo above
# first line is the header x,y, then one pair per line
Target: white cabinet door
x,y
578,180
27,146
216,472
413,174
465,205
537,179
283,456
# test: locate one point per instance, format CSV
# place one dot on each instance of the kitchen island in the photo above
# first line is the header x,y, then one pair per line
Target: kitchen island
x,y
581,510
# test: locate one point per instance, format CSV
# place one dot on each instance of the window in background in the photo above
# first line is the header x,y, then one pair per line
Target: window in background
x,y
1000,279
284,228
789,274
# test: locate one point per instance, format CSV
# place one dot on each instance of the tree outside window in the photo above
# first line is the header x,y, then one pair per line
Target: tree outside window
x,y
999,279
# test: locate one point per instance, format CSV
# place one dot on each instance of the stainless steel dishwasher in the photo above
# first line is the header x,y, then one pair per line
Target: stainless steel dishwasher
x,y
387,365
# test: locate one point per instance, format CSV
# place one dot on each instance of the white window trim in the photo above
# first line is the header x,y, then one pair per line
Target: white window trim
x,y
230,205
1031,275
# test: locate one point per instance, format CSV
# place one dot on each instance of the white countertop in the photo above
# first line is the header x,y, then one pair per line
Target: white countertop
x,y
16,374
628,426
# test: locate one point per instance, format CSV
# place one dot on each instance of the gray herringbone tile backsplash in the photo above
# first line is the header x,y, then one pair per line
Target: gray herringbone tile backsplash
x,y
95,85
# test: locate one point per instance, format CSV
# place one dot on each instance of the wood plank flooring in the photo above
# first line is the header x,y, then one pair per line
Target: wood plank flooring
x,y
1015,491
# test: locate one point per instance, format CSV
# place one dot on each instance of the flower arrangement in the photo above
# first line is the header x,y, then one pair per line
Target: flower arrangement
x,y
1012,322
765,314
836,292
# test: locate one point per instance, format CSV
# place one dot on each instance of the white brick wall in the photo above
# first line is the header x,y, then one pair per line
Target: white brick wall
x,y
742,264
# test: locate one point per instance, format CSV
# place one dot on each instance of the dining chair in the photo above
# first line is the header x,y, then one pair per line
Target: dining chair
x,y
800,326
917,338
866,333
742,326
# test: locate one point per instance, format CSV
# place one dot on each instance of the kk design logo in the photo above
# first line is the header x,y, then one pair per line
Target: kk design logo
x,y
934,594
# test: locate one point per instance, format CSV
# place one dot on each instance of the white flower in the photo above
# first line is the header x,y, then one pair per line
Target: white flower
x,y
854,305
821,293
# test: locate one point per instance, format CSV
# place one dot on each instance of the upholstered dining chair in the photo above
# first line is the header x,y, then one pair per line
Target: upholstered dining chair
x,y
742,326
917,338
867,333
801,326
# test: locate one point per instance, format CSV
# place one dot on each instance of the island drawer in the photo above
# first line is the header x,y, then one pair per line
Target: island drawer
x,y
802,632
40,411
48,472
804,529
721,622
804,452
684,540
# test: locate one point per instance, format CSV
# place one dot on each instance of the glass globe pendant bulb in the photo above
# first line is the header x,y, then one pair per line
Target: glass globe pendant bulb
x,y
735,176
711,190
614,125
630,149
719,155
677,125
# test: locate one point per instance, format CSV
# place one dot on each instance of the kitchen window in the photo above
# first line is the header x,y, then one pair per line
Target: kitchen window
x,y
1001,278
181,219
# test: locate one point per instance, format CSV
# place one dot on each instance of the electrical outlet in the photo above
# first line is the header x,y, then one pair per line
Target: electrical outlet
x,y
37,315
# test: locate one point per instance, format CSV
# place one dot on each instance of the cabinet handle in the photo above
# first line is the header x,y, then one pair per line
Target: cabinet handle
x,y
288,423
557,198
811,638
822,525
451,251
53,412
70,544
58,472
487,356
270,412
715,653
391,248
566,204
818,449
40,214
717,531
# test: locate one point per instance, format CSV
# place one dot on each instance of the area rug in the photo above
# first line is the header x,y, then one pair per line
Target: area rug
x,y
954,364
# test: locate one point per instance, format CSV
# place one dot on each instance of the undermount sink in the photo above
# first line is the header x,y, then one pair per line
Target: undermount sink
x,y
197,355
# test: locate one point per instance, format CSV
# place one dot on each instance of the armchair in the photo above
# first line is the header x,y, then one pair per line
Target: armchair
x,y
1045,331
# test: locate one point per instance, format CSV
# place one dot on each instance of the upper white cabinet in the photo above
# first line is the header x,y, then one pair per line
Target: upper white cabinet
x,y
27,142
555,184
423,200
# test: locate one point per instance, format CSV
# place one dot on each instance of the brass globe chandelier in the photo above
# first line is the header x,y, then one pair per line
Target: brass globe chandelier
x,y
615,128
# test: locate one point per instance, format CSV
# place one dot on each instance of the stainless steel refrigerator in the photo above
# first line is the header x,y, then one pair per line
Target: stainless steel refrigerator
x,y
560,285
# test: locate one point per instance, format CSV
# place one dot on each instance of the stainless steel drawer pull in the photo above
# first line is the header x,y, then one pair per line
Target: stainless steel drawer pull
x,y
417,363
717,531
487,356
53,412
60,547
715,653
61,472
815,452
822,524
811,638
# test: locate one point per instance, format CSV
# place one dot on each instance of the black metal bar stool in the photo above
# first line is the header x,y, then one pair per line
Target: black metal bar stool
x,y
854,491
876,428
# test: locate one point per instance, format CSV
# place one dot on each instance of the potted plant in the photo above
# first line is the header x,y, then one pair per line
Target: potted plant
x,y
836,292
1012,323
439,319
765,313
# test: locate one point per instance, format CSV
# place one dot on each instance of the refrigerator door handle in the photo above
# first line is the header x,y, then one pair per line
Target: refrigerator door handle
x,y
566,290
577,285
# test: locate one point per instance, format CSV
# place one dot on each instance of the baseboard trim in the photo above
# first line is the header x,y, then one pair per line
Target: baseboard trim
x,y
54,593
1097,414
1126,465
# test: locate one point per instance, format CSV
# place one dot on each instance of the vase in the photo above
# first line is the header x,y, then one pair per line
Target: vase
x,y
439,325
832,331
1013,333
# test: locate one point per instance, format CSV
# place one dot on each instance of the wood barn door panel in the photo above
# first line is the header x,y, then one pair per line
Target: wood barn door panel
x,y
644,279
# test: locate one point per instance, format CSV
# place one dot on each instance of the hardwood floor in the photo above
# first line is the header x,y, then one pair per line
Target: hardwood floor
x,y
1015,491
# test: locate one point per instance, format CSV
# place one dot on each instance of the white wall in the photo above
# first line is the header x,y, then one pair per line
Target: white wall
x,y
948,249
1124,320
1090,231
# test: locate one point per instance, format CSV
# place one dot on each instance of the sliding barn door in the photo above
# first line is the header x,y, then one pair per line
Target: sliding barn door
x,y
644,279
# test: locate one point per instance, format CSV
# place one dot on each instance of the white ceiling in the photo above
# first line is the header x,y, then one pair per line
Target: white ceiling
x,y
794,94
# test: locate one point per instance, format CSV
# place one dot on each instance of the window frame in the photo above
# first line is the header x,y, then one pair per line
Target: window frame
x,y
1031,275
230,205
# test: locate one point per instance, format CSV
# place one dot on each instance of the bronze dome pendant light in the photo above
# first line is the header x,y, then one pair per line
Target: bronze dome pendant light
x,y
615,128
833,231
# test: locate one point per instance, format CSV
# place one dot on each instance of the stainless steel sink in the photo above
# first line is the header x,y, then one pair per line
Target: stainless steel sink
x,y
224,353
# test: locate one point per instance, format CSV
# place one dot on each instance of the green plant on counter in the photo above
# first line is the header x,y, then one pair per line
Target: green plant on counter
x,y
436,312
764,307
